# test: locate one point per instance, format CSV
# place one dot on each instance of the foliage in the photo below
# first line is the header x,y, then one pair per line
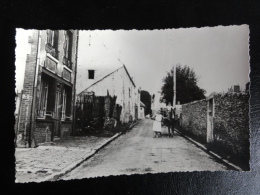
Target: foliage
x,y
146,99
187,89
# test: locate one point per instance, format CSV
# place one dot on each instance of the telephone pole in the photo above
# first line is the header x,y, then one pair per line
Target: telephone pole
x,y
174,85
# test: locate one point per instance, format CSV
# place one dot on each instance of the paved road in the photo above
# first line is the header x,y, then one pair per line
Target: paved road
x,y
137,152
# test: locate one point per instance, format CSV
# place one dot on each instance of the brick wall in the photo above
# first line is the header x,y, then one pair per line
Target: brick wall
x,y
194,119
42,132
28,86
231,123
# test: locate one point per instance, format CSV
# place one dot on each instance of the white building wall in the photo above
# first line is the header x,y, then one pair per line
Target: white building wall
x,y
118,84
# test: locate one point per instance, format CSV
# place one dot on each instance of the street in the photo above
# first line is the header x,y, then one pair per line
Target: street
x,y
137,152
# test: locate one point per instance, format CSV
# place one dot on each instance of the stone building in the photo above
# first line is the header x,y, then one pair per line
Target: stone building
x,y
49,87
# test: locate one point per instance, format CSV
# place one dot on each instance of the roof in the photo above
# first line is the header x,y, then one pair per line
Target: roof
x,y
142,104
109,75
129,75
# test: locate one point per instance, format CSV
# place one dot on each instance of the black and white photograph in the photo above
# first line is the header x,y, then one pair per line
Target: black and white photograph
x,y
98,103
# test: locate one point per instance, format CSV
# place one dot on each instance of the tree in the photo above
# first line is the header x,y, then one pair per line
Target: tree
x,y
146,99
187,89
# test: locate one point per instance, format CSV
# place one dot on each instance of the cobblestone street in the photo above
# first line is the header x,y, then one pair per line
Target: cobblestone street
x,y
35,164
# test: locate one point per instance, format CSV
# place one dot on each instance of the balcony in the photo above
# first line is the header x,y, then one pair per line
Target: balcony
x,y
66,74
67,62
51,64
51,50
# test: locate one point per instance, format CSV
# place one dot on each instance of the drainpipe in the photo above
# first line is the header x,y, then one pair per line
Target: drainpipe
x,y
32,126
74,85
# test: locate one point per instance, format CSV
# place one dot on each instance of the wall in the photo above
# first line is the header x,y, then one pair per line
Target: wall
x,y
42,132
194,119
24,126
231,122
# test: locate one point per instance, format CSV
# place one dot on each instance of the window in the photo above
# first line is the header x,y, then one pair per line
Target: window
x,y
43,99
46,96
91,74
46,106
66,103
52,42
57,101
68,48
129,92
54,100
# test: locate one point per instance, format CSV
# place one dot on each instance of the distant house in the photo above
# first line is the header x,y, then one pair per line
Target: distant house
x,y
142,109
234,88
114,95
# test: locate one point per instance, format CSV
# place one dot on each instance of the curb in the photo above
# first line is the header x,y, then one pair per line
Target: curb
x,y
72,166
224,161
131,126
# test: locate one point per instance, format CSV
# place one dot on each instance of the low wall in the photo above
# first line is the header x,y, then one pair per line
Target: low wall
x,y
194,119
231,123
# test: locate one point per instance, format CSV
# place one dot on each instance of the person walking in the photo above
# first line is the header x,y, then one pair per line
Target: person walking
x,y
169,119
157,124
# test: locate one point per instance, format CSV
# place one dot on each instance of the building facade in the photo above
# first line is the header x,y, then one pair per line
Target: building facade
x,y
47,103
141,112
114,95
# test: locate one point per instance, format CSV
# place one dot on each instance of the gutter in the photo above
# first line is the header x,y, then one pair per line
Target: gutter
x,y
74,84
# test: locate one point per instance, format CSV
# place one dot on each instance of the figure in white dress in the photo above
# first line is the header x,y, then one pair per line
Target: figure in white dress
x,y
157,124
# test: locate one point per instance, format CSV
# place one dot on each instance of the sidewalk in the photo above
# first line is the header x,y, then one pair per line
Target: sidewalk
x,y
51,160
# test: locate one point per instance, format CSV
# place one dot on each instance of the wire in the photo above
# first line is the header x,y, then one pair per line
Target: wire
x,y
102,42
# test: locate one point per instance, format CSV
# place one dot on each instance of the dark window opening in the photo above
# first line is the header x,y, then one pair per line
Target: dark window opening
x,y
91,74
69,45
66,103
55,40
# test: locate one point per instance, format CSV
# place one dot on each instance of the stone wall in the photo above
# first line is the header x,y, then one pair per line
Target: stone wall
x,y
231,123
194,119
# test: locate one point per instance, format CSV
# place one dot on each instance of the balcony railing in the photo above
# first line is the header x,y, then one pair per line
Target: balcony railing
x,y
51,64
67,62
66,74
41,114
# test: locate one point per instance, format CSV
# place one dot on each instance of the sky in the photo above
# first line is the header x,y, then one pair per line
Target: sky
x,y
21,51
218,55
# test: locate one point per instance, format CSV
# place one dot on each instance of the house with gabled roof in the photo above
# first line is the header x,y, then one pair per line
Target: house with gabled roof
x,y
113,95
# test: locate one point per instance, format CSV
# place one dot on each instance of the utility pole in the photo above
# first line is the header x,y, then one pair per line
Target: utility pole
x,y
174,85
